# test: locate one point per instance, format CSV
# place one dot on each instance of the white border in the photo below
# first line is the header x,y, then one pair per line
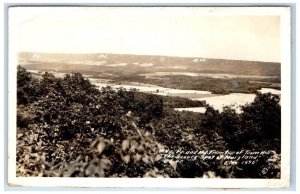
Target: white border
x,y
163,183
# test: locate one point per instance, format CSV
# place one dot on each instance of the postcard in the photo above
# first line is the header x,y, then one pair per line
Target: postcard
x,y
164,97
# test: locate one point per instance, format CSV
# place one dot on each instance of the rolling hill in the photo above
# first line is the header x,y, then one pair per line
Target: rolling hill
x,y
125,64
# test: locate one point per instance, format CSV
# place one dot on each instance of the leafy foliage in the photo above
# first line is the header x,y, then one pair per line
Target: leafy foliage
x,y
67,127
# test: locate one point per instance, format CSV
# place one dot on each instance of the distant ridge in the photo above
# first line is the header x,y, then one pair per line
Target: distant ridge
x,y
23,54
104,62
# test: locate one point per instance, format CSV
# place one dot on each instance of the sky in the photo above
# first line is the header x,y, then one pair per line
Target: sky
x,y
187,32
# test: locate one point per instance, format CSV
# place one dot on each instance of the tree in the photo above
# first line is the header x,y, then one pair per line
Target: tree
x,y
263,115
28,88
211,120
261,123
229,126
23,76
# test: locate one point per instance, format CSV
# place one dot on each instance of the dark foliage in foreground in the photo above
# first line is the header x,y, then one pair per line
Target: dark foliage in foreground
x,y
67,127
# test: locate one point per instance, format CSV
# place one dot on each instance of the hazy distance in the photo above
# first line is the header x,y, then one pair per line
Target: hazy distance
x,y
187,32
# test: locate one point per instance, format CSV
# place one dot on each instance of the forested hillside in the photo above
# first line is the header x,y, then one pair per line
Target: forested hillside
x,y
67,127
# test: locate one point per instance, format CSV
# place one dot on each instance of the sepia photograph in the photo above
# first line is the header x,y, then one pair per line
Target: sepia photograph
x,y
190,94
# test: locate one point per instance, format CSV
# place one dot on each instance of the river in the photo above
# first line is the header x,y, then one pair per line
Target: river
x,y
235,100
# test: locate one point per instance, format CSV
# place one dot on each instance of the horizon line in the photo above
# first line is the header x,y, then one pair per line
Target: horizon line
x,y
154,55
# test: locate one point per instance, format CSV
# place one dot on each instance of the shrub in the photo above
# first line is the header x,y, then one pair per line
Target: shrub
x,y
261,119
